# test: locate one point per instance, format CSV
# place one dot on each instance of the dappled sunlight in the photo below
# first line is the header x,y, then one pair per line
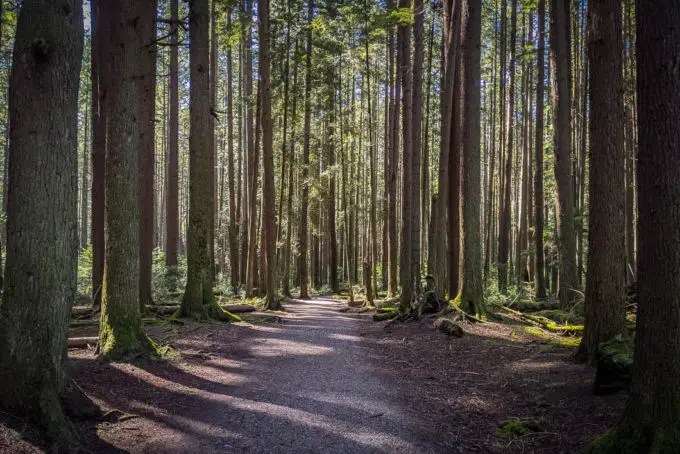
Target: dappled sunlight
x,y
345,337
278,347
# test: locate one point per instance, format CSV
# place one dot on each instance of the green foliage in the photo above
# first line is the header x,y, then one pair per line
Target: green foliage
x,y
85,271
167,281
517,427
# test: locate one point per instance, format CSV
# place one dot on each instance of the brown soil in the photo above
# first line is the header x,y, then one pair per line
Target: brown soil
x,y
317,380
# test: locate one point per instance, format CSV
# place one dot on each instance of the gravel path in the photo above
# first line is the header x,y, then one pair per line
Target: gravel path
x,y
307,385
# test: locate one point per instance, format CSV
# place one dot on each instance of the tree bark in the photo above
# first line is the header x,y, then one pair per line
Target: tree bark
x,y
539,275
561,102
605,315
100,31
120,331
84,181
472,292
650,421
417,94
198,301
147,135
233,216
172,199
268,190
42,221
504,217
304,221
405,80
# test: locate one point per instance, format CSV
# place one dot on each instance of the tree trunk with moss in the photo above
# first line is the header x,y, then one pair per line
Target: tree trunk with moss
x,y
198,301
120,330
651,421
472,291
605,315
42,221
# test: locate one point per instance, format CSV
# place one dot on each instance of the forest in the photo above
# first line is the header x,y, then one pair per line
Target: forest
x,y
340,226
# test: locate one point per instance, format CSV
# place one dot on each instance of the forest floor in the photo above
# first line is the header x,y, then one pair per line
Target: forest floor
x,y
315,379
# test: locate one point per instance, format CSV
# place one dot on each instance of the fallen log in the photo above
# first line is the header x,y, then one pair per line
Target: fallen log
x,y
238,308
82,342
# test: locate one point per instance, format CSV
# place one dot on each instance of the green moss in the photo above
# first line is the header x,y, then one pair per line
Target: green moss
x,y
516,427
552,338
122,337
623,440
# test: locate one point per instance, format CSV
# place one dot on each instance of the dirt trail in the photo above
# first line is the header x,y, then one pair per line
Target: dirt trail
x,y
308,384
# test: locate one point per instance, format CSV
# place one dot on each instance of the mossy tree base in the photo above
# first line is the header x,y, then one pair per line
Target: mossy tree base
x,y
208,311
627,440
123,338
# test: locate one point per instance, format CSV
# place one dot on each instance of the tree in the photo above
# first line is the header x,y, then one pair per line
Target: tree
x,y
172,197
650,420
147,143
97,73
539,274
268,190
198,301
504,215
120,330
233,216
416,145
42,219
560,67
472,292
605,315
304,220
405,78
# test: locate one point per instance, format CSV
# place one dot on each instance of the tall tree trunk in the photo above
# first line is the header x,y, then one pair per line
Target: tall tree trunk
x,y
233,212
172,209
425,182
438,249
147,135
561,102
42,221
289,209
418,51
630,140
198,301
268,190
373,151
504,216
393,246
332,234
304,232
100,31
539,275
650,420
489,239
605,315
472,292
404,71
212,186
249,169
84,181
453,197
120,329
